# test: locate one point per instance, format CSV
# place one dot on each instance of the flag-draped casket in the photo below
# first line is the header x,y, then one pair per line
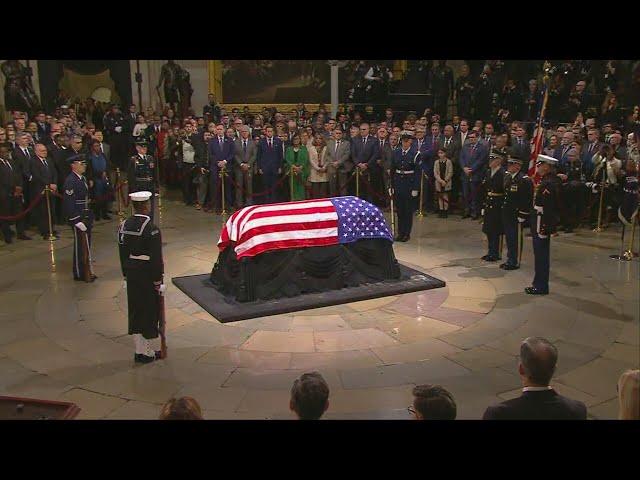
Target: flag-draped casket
x,y
286,249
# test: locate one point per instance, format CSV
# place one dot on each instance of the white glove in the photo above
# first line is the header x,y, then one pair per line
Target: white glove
x,y
124,284
162,288
521,220
391,192
414,193
482,212
118,129
81,226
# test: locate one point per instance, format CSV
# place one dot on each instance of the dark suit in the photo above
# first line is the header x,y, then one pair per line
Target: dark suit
x,y
538,405
561,154
476,159
21,165
364,152
44,130
428,149
218,152
269,160
521,150
43,173
588,151
244,155
10,204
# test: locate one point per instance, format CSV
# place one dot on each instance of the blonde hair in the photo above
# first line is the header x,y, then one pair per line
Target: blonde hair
x,y
629,395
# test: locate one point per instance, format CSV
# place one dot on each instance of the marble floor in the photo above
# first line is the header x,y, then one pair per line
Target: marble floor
x,y
66,340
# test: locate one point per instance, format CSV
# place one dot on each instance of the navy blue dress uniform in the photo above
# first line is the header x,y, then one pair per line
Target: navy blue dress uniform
x,y
516,208
493,186
405,171
629,207
80,217
140,248
544,222
142,174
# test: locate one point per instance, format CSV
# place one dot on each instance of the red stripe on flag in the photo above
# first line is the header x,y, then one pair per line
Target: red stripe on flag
x,y
287,227
292,243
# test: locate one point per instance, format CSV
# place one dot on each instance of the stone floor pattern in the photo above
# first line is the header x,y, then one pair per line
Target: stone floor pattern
x,y
66,340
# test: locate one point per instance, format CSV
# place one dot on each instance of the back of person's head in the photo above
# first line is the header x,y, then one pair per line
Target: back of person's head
x,y
629,395
183,408
433,402
538,358
309,396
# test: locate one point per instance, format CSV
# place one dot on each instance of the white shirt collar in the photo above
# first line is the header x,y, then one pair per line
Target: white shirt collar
x,y
536,389
79,176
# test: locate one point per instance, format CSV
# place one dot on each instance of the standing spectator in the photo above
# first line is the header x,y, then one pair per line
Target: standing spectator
x,y
464,92
610,113
363,152
211,111
520,147
551,147
532,102
620,152
473,159
318,171
432,402
183,408
186,157
140,127
297,164
443,173
442,87
43,175
11,202
117,137
243,168
309,396
269,161
485,90
629,395
97,173
339,164
539,401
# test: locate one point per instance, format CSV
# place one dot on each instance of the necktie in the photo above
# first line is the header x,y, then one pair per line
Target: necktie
x,y
446,142
244,146
473,149
269,143
44,162
364,141
101,148
337,146
26,152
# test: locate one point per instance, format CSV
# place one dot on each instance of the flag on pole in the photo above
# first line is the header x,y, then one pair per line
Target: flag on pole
x,y
539,137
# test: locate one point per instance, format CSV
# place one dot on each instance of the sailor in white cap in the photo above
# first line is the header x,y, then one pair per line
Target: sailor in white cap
x,y
140,246
544,222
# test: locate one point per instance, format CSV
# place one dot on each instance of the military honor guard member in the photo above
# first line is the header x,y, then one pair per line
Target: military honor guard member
x,y
80,218
140,247
492,212
142,173
516,207
405,172
544,222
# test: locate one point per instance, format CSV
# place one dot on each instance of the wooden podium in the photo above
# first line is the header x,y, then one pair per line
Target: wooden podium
x,y
17,408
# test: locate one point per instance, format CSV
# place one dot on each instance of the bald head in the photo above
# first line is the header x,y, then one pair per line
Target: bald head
x,y
538,358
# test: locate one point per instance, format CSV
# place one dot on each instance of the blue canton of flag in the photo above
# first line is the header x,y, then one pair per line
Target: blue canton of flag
x,y
359,219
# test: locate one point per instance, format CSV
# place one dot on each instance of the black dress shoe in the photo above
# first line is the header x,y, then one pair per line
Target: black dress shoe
x,y
502,265
141,358
399,238
511,267
22,236
485,257
407,238
158,354
492,259
534,291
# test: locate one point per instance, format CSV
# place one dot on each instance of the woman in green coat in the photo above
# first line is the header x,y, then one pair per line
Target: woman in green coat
x,y
297,156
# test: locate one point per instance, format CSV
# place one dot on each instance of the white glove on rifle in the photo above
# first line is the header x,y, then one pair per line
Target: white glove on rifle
x,y
414,193
124,284
118,129
81,226
162,288
391,192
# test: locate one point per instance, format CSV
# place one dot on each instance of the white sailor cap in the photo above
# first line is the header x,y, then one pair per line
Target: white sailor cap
x,y
547,159
140,196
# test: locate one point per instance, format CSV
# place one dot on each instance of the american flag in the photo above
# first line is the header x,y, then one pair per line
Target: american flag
x,y
538,139
309,223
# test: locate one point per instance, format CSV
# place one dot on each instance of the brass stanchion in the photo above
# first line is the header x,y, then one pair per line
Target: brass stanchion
x,y
630,254
520,242
393,218
622,257
357,181
420,212
46,194
501,246
119,194
291,183
598,229
222,174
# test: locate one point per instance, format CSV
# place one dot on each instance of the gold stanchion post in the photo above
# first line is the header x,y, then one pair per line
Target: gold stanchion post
x,y
291,183
119,194
46,194
420,212
222,174
393,218
629,254
357,181
598,229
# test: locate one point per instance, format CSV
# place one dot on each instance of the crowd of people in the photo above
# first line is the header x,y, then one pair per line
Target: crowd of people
x,y
268,156
539,400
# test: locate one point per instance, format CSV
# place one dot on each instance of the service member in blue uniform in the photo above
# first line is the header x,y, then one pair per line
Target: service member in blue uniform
x,y
142,173
493,186
140,247
405,172
516,208
80,217
544,222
